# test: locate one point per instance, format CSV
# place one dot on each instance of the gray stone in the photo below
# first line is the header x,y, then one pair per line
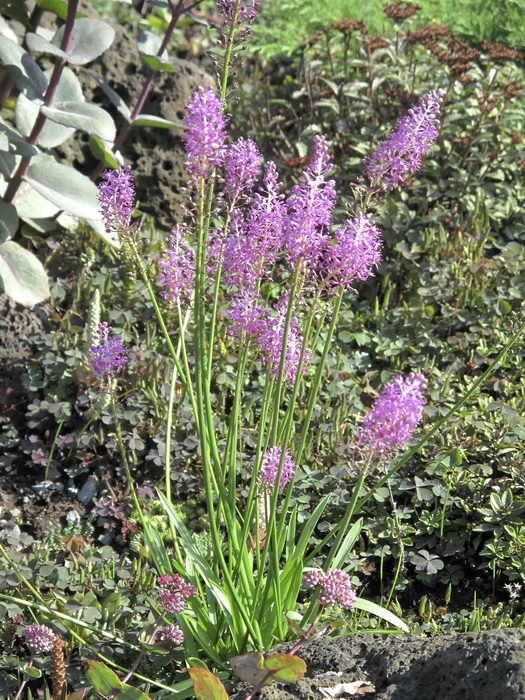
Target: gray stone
x,y
473,666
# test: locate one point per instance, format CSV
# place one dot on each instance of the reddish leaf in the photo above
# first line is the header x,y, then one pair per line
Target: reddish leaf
x,y
285,667
249,667
206,685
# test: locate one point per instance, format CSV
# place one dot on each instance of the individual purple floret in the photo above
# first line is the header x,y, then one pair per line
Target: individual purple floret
x,y
177,268
355,252
335,585
246,13
116,195
174,591
242,165
39,638
109,355
205,132
310,208
394,417
404,149
246,316
172,633
270,468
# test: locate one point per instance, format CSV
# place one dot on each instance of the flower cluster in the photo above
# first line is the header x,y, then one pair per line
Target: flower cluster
x,y
246,13
39,638
394,417
335,587
172,633
174,592
108,355
404,149
242,165
177,268
116,195
205,133
355,253
249,320
310,207
270,468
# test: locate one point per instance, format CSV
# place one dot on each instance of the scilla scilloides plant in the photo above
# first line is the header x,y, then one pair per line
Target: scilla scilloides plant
x,y
283,266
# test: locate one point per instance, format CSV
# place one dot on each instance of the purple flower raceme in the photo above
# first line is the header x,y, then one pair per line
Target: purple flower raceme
x,y
242,165
402,153
39,638
246,13
109,355
174,592
116,195
335,587
355,252
205,133
394,417
310,207
270,468
177,268
172,633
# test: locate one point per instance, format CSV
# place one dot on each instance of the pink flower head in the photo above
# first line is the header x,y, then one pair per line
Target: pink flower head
x,y
310,207
270,468
116,195
242,165
394,417
39,638
108,357
172,633
335,587
355,253
404,149
174,592
205,133
177,268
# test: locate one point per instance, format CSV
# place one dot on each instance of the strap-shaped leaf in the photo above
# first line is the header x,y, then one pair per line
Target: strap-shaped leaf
x,y
82,116
90,38
152,120
22,275
65,187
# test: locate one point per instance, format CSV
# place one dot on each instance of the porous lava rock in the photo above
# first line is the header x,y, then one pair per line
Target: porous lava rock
x,y
472,666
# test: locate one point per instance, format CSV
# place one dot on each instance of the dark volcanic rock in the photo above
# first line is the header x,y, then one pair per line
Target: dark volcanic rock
x,y
472,666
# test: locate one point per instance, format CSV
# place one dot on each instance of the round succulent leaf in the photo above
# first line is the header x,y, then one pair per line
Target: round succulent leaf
x,y
37,44
99,228
53,134
22,275
149,44
99,149
23,71
82,116
156,63
16,142
30,204
65,187
115,99
249,667
8,221
89,39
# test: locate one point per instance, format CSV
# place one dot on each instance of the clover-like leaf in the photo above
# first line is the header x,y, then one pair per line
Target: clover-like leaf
x,y
206,685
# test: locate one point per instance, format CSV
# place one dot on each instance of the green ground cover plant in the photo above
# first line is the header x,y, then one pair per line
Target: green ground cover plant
x,y
250,400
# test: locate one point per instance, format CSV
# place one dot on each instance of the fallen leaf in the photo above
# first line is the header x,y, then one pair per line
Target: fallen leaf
x,y
344,690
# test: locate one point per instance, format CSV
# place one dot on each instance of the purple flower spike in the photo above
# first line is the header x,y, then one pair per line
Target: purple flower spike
x,y
109,355
116,195
357,251
172,633
205,133
177,268
335,585
394,417
242,166
270,468
39,638
310,208
246,13
404,149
